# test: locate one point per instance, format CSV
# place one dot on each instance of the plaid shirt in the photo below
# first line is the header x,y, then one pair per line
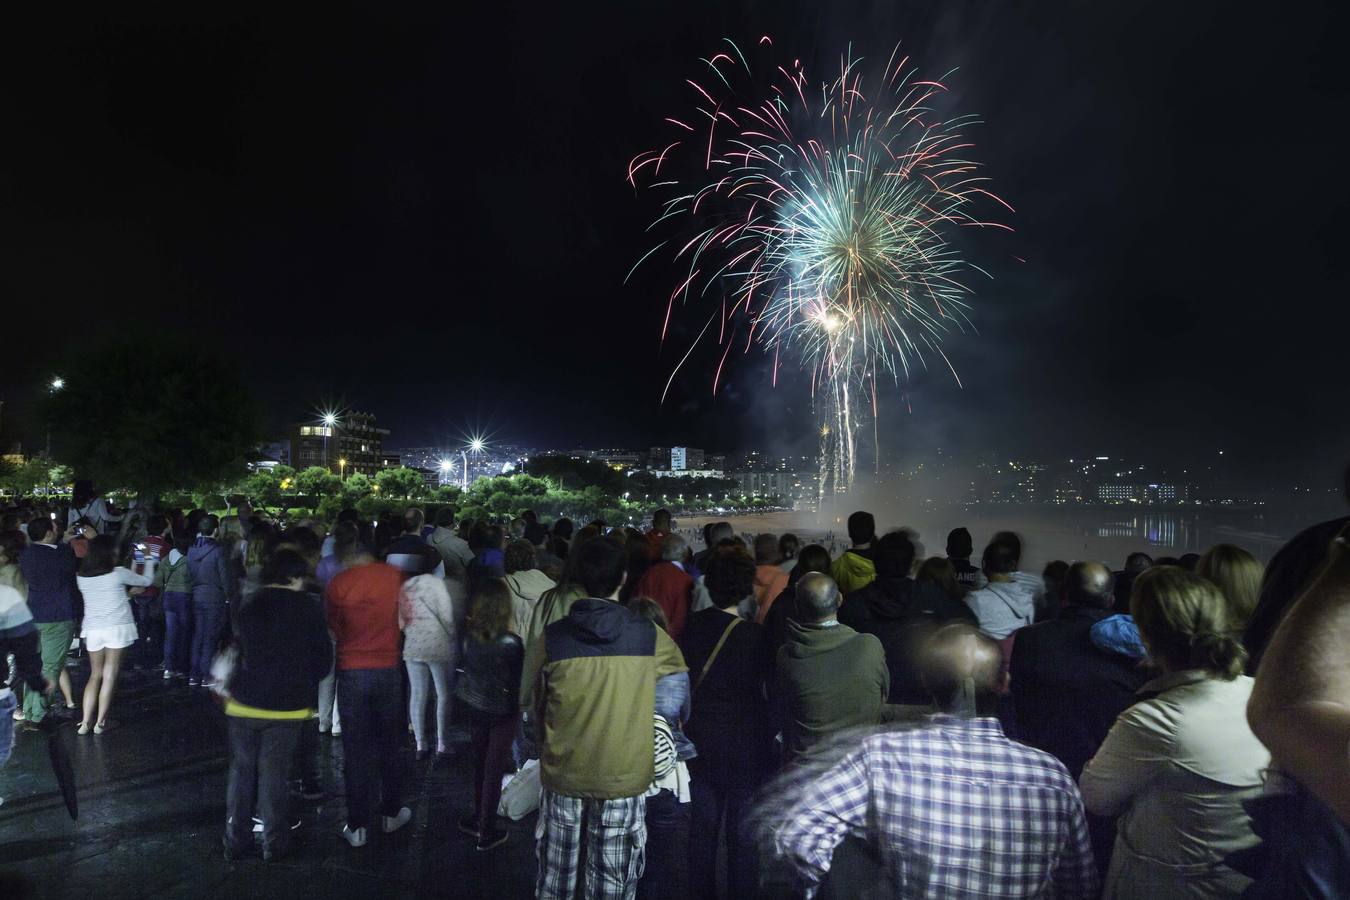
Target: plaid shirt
x,y
955,809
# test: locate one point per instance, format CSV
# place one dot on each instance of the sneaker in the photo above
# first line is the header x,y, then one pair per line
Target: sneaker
x,y
193,682
167,674
394,823
18,715
296,822
468,824
356,838
493,837
209,683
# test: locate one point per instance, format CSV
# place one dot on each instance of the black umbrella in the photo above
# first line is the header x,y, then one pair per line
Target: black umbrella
x,y
65,772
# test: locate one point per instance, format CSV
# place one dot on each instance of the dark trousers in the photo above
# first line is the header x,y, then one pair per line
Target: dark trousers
x,y
666,818
491,742
260,758
177,632
373,722
305,762
149,614
712,805
208,620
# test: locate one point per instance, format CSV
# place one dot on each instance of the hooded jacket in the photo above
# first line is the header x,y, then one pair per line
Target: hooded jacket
x,y
853,570
215,577
1003,607
594,699
902,614
828,678
527,586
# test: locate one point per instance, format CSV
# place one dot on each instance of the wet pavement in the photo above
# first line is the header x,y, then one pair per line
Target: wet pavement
x,y
152,811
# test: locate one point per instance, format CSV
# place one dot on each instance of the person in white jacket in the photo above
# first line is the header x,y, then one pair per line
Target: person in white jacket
x,y
430,652
1179,765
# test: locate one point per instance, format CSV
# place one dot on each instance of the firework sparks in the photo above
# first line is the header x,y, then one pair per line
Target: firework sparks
x,y
821,225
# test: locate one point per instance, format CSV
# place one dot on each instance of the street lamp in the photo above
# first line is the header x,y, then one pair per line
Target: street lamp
x,y
342,467
55,385
329,420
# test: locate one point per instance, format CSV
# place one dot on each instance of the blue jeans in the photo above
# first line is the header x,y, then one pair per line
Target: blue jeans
x,y
370,702
7,705
208,620
666,817
177,632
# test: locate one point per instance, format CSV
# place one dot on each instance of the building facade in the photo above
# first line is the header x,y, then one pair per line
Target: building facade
x,y
352,444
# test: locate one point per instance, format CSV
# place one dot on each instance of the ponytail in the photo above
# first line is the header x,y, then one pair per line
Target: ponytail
x,y
1222,655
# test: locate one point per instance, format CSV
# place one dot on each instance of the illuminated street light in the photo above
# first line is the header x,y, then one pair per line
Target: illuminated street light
x,y
58,382
342,467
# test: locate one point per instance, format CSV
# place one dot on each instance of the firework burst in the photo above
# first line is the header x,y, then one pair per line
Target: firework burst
x,y
817,226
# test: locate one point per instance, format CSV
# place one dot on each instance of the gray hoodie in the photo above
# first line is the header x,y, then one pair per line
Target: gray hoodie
x,y
1006,606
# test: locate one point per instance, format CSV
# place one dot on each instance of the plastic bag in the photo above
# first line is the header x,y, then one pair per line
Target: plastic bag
x,y
520,796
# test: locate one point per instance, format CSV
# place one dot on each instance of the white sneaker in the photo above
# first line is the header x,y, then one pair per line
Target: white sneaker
x,y
337,731
394,823
356,838
167,674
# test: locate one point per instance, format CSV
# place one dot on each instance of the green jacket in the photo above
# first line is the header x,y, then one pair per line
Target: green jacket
x,y
828,679
174,577
852,571
595,697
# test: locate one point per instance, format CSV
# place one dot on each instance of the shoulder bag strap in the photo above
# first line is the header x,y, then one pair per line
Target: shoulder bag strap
x,y
716,650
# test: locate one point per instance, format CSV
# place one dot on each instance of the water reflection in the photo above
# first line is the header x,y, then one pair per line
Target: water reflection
x,y
1186,532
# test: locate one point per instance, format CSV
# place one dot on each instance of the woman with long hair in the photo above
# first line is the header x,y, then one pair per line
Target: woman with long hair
x,y
1179,766
490,687
430,651
109,627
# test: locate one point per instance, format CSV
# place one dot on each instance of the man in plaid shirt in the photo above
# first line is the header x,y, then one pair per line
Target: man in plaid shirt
x,y
954,809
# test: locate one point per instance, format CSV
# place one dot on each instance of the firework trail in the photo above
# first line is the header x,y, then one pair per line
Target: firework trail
x,y
815,224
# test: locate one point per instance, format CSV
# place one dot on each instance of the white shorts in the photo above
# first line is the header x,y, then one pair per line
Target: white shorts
x,y
111,637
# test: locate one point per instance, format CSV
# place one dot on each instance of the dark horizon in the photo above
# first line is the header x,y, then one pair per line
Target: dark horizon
x,y
428,219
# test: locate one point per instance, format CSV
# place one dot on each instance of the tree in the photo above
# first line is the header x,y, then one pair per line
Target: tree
x,y
315,483
263,488
355,488
24,478
151,417
400,482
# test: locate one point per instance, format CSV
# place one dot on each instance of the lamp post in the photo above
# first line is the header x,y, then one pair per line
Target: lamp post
x,y
329,420
342,468
55,385
464,471
446,466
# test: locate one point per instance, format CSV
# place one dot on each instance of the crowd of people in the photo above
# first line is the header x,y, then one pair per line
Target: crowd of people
x,y
866,722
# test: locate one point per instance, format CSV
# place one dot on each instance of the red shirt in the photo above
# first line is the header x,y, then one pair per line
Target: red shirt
x,y
363,615
672,588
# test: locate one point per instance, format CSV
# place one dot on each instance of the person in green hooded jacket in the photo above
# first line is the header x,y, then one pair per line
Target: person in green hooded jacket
x,y
855,568
828,676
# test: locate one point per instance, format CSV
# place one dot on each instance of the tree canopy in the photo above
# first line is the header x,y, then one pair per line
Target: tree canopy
x,y
152,418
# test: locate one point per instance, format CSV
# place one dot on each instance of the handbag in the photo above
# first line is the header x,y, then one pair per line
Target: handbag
x,y
663,746
717,648
223,666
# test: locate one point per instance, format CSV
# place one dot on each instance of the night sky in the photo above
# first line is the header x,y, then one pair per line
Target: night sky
x,y
426,216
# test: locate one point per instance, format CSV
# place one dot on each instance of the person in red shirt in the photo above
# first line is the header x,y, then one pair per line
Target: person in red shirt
x,y
660,529
363,615
669,584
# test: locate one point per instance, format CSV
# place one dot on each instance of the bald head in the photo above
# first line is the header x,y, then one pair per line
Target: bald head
x,y
817,597
958,661
1090,584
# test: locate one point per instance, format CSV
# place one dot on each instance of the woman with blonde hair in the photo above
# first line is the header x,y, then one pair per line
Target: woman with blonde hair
x,y
1238,576
1179,764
